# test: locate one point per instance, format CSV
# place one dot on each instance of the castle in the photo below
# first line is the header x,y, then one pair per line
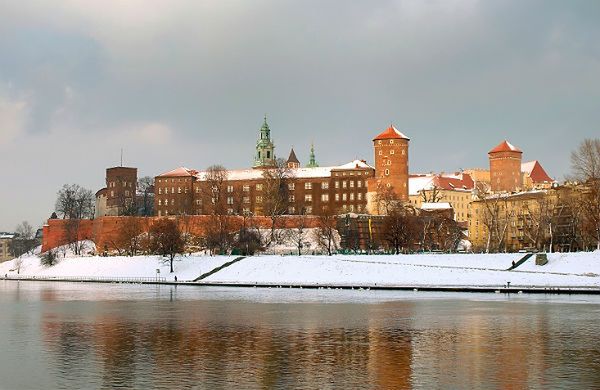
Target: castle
x,y
352,187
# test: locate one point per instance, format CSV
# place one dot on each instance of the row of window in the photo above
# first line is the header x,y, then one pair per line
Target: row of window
x,y
113,184
392,151
166,190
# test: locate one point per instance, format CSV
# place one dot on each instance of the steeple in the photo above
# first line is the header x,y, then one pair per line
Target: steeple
x,y
312,163
265,149
292,161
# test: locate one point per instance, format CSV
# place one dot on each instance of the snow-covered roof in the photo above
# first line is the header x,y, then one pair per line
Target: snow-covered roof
x,y
354,165
391,133
536,172
455,182
299,173
436,206
505,146
180,172
7,235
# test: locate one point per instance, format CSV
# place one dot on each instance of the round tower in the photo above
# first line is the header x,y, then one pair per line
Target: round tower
x,y
505,168
391,162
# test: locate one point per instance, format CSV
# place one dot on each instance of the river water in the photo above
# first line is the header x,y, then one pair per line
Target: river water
x,y
68,335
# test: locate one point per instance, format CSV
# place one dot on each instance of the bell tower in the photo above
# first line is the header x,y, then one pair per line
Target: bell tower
x,y
265,149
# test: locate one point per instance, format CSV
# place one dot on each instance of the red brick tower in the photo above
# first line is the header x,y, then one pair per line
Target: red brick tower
x,y
121,185
391,162
505,168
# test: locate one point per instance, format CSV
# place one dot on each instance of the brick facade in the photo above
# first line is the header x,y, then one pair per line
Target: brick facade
x,y
505,168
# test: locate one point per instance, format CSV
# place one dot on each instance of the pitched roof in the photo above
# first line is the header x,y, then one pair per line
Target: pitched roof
x,y
536,172
505,146
292,158
354,164
391,133
179,172
455,182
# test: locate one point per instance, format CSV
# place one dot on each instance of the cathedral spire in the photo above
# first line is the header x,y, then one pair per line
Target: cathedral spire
x,y
312,163
265,149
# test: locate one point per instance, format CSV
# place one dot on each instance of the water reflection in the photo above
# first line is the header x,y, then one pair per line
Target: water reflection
x,y
168,342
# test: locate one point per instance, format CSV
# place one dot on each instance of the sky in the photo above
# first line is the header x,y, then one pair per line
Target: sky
x,y
187,83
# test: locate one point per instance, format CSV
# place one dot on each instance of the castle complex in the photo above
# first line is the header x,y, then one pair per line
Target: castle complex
x,y
352,187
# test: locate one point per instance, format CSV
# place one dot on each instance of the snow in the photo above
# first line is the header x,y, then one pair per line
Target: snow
x,y
562,270
436,206
414,270
186,268
527,167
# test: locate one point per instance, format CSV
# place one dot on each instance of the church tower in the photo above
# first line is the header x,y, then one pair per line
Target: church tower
x,y
292,161
312,162
265,149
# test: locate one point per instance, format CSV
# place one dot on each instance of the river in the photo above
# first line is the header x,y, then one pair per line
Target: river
x,y
69,335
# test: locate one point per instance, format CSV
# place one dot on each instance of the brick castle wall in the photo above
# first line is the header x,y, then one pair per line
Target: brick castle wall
x,y
105,230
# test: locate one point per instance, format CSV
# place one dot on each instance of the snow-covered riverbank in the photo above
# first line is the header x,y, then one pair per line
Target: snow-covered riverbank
x,y
470,270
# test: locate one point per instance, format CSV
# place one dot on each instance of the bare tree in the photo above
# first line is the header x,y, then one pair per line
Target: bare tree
x,y
386,199
432,195
585,164
326,232
496,217
276,193
166,240
74,202
399,228
24,241
299,234
145,187
129,240
585,161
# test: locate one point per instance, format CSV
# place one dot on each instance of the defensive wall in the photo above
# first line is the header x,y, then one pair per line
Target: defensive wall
x,y
104,231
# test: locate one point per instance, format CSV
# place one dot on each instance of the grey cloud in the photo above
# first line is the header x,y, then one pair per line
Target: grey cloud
x,y
456,76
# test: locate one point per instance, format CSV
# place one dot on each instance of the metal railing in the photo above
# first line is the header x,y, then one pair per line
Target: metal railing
x,y
107,279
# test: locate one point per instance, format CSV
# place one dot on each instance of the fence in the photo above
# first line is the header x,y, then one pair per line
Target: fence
x,y
105,279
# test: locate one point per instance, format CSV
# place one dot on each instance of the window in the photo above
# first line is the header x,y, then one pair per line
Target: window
x,y
344,184
391,141
124,184
259,187
197,190
392,151
337,197
351,183
179,190
308,209
308,186
246,199
230,211
291,186
230,200
344,196
112,194
291,210
246,210
172,190
160,202
359,183
387,172
352,196
172,202
229,188
308,198
325,197
198,202
381,152
325,185
292,198
246,188
160,191
403,152
344,207
126,192
359,196
259,199
337,184
351,208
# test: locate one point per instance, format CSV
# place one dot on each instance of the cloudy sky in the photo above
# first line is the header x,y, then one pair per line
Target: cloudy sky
x,y
188,82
